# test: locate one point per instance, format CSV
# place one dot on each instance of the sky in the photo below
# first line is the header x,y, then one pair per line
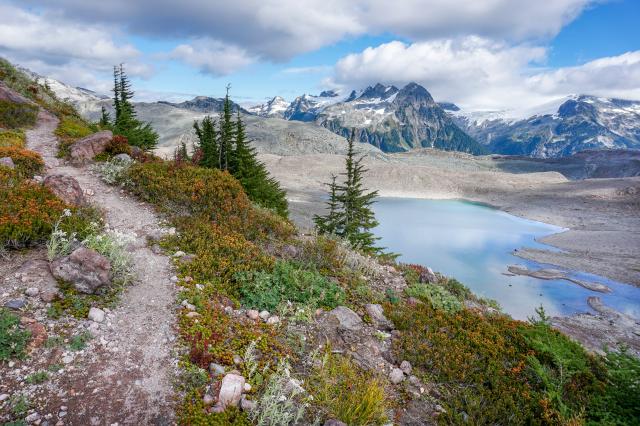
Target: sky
x,y
479,54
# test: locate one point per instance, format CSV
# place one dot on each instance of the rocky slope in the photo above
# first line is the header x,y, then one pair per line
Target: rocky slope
x,y
578,123
274,107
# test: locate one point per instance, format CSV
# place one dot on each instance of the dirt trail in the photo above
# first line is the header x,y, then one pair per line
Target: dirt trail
x,y
125,376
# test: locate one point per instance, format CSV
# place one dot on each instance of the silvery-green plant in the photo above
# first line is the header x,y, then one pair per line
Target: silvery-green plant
x,y
60,243
113,171
280,402
113,245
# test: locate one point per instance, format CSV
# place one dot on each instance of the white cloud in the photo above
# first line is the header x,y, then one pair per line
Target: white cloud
x,y
212,56
307,70
280,29
477,73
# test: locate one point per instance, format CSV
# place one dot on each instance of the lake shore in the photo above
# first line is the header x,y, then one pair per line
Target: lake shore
x,y
602,215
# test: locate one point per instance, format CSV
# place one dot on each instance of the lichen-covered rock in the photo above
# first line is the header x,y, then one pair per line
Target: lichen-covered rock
x,y
376,314
66,188
231,390
86,269
85,149
347,319
428,276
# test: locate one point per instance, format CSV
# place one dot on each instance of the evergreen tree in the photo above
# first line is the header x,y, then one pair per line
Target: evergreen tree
x,y
125,122
227,131
105,118
208,143
253,175
350,215
330,224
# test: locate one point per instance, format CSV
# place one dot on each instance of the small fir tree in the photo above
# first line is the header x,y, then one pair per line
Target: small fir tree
x,y
330,224
105,118
207,143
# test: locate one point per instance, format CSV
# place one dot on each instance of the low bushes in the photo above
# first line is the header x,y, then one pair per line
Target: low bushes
x,y
12,139
344,392
288,283
70,129
13,339
118,145
17,115
28,163
438,297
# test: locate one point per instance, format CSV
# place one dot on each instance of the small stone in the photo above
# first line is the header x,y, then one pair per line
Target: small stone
x,y
405,366
237,359
273,320
228,310
96,315
123,157
264,315
216,369
247,404
32,291
174,279
231,390
67,359
7,162
396,376
247,387
218,408
208,399
333,422
32,417
4,396
15,304
376,314
192,314
62,413
179,253
253,314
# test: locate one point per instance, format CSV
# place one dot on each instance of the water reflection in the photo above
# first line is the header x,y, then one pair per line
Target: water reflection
x,y
473,243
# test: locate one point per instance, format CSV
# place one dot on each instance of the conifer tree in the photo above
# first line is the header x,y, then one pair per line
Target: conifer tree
x,y
105,118
330,224
350,215
226,134
125,122
208,143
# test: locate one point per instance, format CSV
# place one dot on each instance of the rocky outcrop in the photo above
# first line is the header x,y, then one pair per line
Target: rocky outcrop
x,y
66,188
85,268
9,95
36,275
85,149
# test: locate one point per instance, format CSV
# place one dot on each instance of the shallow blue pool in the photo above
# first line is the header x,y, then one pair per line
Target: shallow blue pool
x,y
474,244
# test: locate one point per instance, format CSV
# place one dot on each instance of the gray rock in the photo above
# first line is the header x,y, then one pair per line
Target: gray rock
x,y
32,291
264,315
396,376
125,158
96,314
273,320
332,422
85,149
237,359
208,399
36,274
7,162
216,369
253,314
231,390
247,404
15,304
32,417
85,268
405,366
376,313
66,188
428,276
4,396
346,318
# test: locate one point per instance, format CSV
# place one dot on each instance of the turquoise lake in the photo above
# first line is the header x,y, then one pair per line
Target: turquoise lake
x,y
474,244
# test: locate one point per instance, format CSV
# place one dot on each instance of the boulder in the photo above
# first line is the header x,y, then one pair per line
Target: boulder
x,y
231,390
36,274
376,313
347,319
428,276
7,162
66,188
85,268
85,149
9,95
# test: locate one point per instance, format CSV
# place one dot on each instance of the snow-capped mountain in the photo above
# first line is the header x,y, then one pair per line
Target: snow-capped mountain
x,y
389,118
557,129
64,91
275,107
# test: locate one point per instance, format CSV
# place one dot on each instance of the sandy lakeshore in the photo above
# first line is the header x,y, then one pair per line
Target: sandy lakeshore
x,y
602,215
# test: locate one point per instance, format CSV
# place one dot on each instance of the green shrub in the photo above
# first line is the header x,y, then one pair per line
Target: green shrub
x,y
436,296
12,139
80,340
193,412
13,339
70,129
15,115
344,392
288,283
28,163
37,378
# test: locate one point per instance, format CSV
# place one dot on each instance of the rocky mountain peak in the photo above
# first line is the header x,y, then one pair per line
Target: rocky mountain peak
x,y
328,94
413,93
378,91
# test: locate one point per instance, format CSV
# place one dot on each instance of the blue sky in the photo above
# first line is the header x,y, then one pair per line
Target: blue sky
x,y
498,54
